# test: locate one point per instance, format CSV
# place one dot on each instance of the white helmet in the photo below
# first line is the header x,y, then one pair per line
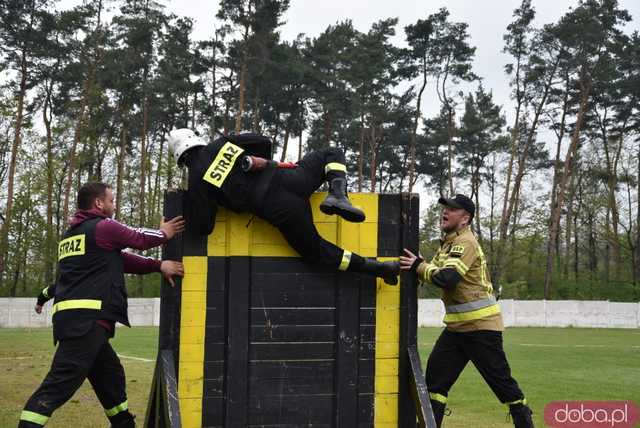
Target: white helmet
x,y
181,140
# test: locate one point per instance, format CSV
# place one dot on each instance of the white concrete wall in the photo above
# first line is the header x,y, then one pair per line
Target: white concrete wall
x,y
18,312
548,313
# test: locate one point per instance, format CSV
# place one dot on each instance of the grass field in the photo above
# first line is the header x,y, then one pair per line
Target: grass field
x,y
550,364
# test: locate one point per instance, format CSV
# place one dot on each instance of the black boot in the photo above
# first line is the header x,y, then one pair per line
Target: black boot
x,y
337,202
521,415
388,271
123,420
438,411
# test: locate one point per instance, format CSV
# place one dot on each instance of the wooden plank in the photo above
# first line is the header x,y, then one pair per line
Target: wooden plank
x,y
419,391
347,302
285,369
291,351
290,386
298,410
238,341
292,333
408,312
169,331
169,386
292,316
293,298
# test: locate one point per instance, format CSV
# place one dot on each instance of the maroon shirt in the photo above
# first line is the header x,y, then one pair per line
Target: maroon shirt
x,y
112,235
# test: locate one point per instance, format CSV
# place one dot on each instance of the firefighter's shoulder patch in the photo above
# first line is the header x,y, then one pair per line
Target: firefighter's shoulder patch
x,y
456,251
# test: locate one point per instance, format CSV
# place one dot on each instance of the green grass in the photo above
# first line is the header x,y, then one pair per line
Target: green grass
x,y
549,364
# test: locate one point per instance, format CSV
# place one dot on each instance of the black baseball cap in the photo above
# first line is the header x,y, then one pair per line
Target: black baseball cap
x,y
459,201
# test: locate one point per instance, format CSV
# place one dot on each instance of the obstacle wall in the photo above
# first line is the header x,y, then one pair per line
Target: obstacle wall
x,y
260,338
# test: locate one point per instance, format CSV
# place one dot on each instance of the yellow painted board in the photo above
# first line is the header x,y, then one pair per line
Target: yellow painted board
x,y
195,265
386,384
387,367
217,240
387,349
386,409
191,412
191,353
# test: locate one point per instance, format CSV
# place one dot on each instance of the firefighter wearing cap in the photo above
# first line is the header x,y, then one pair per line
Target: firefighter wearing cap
x,y
278,195
472,316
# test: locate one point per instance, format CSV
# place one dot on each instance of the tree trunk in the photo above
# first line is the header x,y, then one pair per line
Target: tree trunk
x,y
450,147
361,154
285,144
17,140
119,177
555,215
48,253
143,158
241,90
84,102
373,146
414,131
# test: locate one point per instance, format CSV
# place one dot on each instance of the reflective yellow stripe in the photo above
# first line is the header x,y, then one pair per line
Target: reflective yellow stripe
x,y
71,246
428,273
335,166
346,260
457,264
523,402
34,417
77,304
438,397
117,409
45,292
222,164
473,315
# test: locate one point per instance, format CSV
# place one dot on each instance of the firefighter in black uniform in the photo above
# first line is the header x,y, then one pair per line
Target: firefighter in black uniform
x,y
278,195
89,298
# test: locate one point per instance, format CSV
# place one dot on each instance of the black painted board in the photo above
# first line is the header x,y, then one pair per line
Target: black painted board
x,y
347,302
292,333
239,269
408,312
213,409
419,391
285,369
277,282
216,279
169,330
366,409
389,226
299,410
291,351
292,316
293,298
290,386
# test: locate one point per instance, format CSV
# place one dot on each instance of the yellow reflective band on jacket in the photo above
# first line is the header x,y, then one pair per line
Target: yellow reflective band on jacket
x,y
222,164
45,292
472,315
523,402
457,264
77,304
71,246
34,417
346,260
429,272
335,166
438,397
117,409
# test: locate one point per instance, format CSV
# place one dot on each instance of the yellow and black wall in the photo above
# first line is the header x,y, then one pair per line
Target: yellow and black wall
x,y
260,338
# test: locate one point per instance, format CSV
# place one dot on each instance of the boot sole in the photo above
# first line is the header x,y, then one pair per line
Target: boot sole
x,y
347,215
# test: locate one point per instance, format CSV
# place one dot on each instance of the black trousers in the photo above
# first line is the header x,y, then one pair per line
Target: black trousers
x,y
88,357
484,349
286,206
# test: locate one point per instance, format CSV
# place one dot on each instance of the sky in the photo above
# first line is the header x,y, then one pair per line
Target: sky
x,y
487,21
